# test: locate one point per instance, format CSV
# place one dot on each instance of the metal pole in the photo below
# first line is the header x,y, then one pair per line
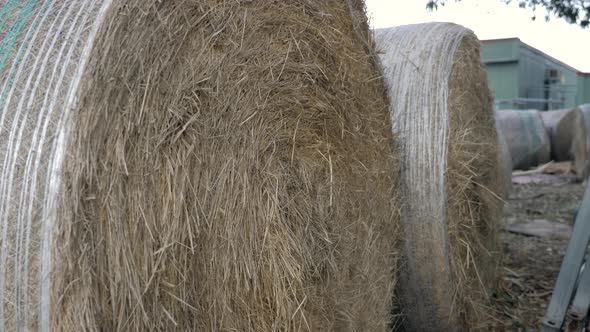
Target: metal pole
x,y
581,301
570,268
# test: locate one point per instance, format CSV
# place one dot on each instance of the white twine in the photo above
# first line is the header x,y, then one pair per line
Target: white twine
x,y
39,86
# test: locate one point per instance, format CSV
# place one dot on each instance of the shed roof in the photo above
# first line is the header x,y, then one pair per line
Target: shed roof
x,y
534,50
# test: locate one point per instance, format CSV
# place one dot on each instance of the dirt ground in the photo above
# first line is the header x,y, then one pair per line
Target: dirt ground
x,y
531,263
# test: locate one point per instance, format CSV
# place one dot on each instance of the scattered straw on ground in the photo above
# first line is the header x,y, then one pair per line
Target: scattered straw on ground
x,y
532,263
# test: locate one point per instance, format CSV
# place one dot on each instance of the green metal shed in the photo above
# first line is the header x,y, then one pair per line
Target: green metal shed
x,y
583,88
522,77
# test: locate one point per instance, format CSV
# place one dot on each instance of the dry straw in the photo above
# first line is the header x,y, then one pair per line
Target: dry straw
x,y
441,107
567,135
194,165
526,137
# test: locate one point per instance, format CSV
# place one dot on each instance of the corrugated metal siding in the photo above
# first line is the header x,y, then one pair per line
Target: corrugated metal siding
x,y
517,75
500,51
503,80
583,96
532,72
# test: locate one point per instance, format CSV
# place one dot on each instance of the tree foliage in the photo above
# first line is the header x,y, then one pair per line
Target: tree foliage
x,y
573,11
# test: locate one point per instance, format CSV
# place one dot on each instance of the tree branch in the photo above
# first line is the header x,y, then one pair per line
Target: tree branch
x,y
573,11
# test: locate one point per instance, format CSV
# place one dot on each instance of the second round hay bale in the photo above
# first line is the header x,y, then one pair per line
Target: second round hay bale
x,y
526,137
195,165
567,135
442,110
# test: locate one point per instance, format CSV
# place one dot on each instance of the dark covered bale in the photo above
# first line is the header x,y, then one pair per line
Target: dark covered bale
x,y
195,165
526,137
567,135
451,179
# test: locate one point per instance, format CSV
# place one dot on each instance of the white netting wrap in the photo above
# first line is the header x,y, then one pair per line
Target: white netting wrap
x,y
418,62
43,50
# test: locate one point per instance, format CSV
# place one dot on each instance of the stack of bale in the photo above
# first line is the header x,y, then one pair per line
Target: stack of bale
x,y
236,166
534,138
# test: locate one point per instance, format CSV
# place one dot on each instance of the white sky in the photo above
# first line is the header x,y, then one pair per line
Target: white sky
x,y
492,19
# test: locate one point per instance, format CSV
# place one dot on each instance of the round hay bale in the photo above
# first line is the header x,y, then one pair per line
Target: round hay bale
x,y
441,107
567,135
526,137
505,164
194,165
